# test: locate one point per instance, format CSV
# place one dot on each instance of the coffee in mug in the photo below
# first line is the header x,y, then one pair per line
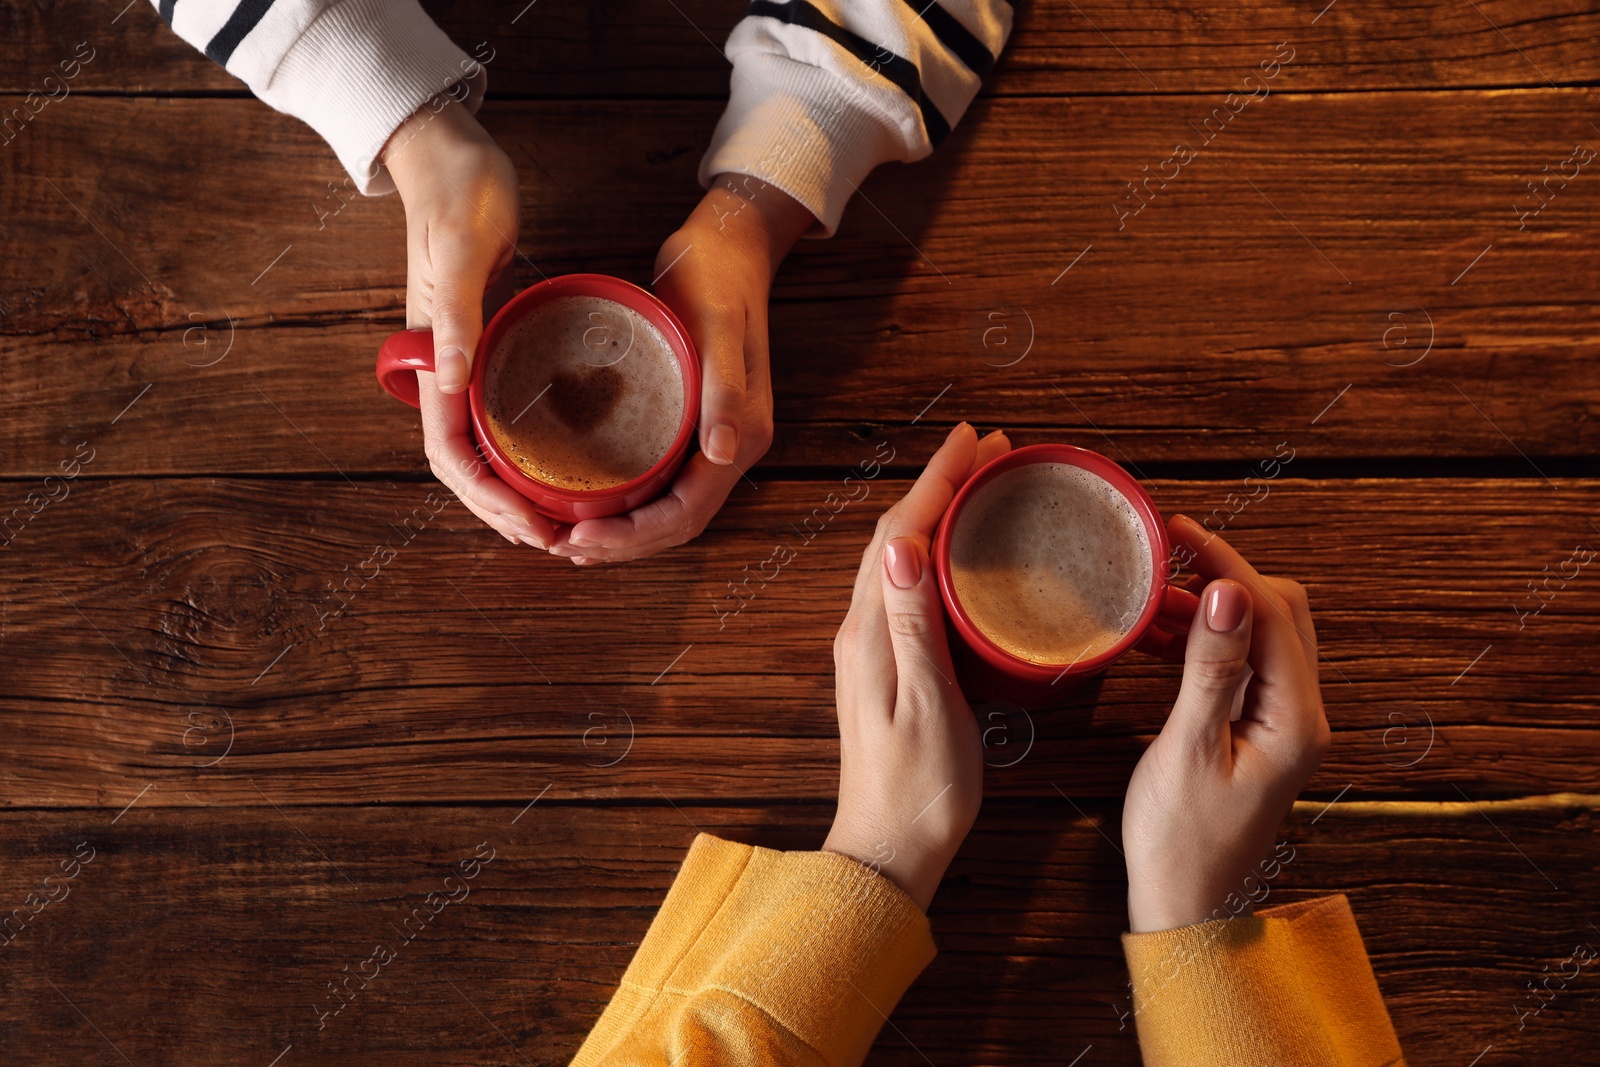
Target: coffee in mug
x,y
1051,563
581,395
584,393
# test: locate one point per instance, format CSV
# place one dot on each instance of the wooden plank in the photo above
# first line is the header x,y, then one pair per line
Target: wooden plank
x,y
342,644
242,918
640,48
1208,302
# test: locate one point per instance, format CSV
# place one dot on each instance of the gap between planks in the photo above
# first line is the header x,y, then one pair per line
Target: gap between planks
x,y
1543,802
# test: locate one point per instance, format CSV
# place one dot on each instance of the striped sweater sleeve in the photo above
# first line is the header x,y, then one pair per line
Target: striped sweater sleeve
x,y
825,90
352,70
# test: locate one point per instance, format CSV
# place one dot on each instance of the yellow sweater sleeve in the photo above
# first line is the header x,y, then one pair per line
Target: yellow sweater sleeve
x,y
764,957
1286,987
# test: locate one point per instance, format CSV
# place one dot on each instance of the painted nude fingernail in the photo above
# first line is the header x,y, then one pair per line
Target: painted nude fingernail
x,y
904,561
1225,608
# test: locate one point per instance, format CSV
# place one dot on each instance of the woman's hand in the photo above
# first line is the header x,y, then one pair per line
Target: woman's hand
x,y
910,756
715,273
1206,800
460,196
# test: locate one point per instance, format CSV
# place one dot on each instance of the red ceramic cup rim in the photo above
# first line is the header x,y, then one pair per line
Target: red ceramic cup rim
x,y
605,287
1120,480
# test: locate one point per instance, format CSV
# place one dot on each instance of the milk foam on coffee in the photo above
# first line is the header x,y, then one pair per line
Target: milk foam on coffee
x,y
1051,562
584,393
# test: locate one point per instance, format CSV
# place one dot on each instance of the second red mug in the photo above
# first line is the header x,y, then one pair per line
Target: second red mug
x,y
989,672
408,351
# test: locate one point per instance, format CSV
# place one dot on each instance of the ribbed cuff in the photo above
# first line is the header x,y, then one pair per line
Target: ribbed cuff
x,y
360,69
1289,986
803,129
814,942
842,946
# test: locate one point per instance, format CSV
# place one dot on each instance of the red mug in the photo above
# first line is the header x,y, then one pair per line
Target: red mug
x,y
408,351
987,671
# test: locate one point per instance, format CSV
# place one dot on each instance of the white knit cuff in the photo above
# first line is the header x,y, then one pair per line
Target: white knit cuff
x,y
360,69
803,129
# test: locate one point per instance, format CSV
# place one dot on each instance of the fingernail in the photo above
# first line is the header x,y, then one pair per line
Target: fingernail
x,y
524,532
903,557
958,428
580,560
582,542
451,368
507,536
723,444
1225,607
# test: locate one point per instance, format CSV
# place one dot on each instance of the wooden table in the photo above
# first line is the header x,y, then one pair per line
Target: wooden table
x,y
257,766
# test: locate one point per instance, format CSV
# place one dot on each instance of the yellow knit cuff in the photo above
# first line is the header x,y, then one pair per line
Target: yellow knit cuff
x,y
811,945
1287,987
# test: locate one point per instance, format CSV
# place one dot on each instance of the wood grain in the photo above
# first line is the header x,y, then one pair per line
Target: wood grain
x,y
343,644
208,937
1294,259
641,48
276,744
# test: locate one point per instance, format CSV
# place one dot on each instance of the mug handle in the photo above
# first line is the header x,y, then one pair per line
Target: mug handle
x,y
1169,632
402,355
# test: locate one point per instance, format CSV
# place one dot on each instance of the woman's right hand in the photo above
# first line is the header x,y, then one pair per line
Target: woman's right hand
x,y
1208,796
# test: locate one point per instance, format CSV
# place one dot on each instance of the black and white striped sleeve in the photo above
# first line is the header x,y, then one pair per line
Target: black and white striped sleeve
x,y
825,90
350,69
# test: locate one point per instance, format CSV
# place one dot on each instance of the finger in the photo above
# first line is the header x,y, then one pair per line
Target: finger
x,y
490,499
1306,701
696,495
461,275
865,631
455,461
491,520
990,449
1164,644
925,676
918,512
1215,661
1277,652
719,334
1293,594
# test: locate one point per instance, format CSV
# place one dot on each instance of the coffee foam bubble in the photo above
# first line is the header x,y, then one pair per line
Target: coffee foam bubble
x,y
584,393
1051,562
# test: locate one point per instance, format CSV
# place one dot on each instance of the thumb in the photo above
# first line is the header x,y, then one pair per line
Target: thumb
x,y
926,676
722,395
718,329
457,314
1215,662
